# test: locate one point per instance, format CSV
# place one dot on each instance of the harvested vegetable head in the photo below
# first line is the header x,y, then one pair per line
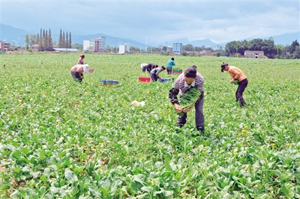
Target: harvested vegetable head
x,y
190,98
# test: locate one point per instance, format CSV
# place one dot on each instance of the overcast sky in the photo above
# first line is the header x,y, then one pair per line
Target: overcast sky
x,y
157,20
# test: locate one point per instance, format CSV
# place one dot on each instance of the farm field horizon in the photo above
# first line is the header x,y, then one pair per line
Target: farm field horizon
x,y
63,139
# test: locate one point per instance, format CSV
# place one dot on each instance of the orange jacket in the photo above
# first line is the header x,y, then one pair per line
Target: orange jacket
x,y
236,73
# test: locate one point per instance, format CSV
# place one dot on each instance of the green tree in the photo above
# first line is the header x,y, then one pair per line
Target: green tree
x,y
188,47
50,41
294,45
70,40
67,40
41,40
297,52
60,39
27,41
63,40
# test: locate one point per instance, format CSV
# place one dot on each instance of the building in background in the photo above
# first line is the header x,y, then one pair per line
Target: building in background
x,y
4,46
95,45
124,49
86,45
177,48
35,47
254,54
66,50
166,48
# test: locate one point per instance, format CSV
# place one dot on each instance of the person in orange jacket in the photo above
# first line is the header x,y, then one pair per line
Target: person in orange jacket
x,y
239,78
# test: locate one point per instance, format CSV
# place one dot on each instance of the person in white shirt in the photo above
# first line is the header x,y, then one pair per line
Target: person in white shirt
x,y
154,73
77,71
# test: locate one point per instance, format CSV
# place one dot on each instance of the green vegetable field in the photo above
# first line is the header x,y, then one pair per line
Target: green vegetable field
x,y
63,139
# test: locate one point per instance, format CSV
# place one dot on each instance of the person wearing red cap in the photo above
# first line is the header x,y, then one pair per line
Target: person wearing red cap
x,y
238,77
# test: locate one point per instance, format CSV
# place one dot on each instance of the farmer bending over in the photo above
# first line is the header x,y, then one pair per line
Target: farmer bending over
x,y
148,67
189,79
154,73
77,71
237,77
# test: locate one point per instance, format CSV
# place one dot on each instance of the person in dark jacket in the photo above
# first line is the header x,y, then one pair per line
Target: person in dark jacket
x,y
154,73
189,79
148,67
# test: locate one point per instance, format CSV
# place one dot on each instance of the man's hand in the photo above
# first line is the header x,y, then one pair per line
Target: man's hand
x,y
187,109
232,81
178,108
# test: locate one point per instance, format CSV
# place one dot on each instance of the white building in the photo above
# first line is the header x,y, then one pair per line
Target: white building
x,y
66,50
86,45
177,48
124,49
95,45
254,54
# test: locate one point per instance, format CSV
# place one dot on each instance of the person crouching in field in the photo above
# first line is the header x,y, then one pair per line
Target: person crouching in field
x,y
148,67
77,71
81,59
189,79
154,73
237,77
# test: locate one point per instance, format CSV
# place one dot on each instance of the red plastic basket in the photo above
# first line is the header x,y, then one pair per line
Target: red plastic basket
x,y
144,79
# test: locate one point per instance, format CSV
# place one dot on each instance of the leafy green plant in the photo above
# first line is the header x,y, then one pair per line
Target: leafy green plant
x,y
62,139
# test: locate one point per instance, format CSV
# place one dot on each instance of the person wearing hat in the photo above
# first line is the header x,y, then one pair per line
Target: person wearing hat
x,y
154,73
170,65
238,77
77,71
81,59
189,79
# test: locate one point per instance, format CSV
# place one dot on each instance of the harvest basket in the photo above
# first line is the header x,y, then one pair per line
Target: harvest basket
x,y
177,71
109,82
163,80
144,79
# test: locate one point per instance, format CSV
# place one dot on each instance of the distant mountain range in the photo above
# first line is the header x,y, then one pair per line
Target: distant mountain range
x,y
111,41
12,35
199,43
16,36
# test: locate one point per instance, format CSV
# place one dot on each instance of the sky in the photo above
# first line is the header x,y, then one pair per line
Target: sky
x,y
157,20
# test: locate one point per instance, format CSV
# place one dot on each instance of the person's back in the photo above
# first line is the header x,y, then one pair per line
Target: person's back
x,y
155,70
233,71
170,65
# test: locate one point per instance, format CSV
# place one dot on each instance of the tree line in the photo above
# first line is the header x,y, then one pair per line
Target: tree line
x,y
237,48
64,40
44,41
